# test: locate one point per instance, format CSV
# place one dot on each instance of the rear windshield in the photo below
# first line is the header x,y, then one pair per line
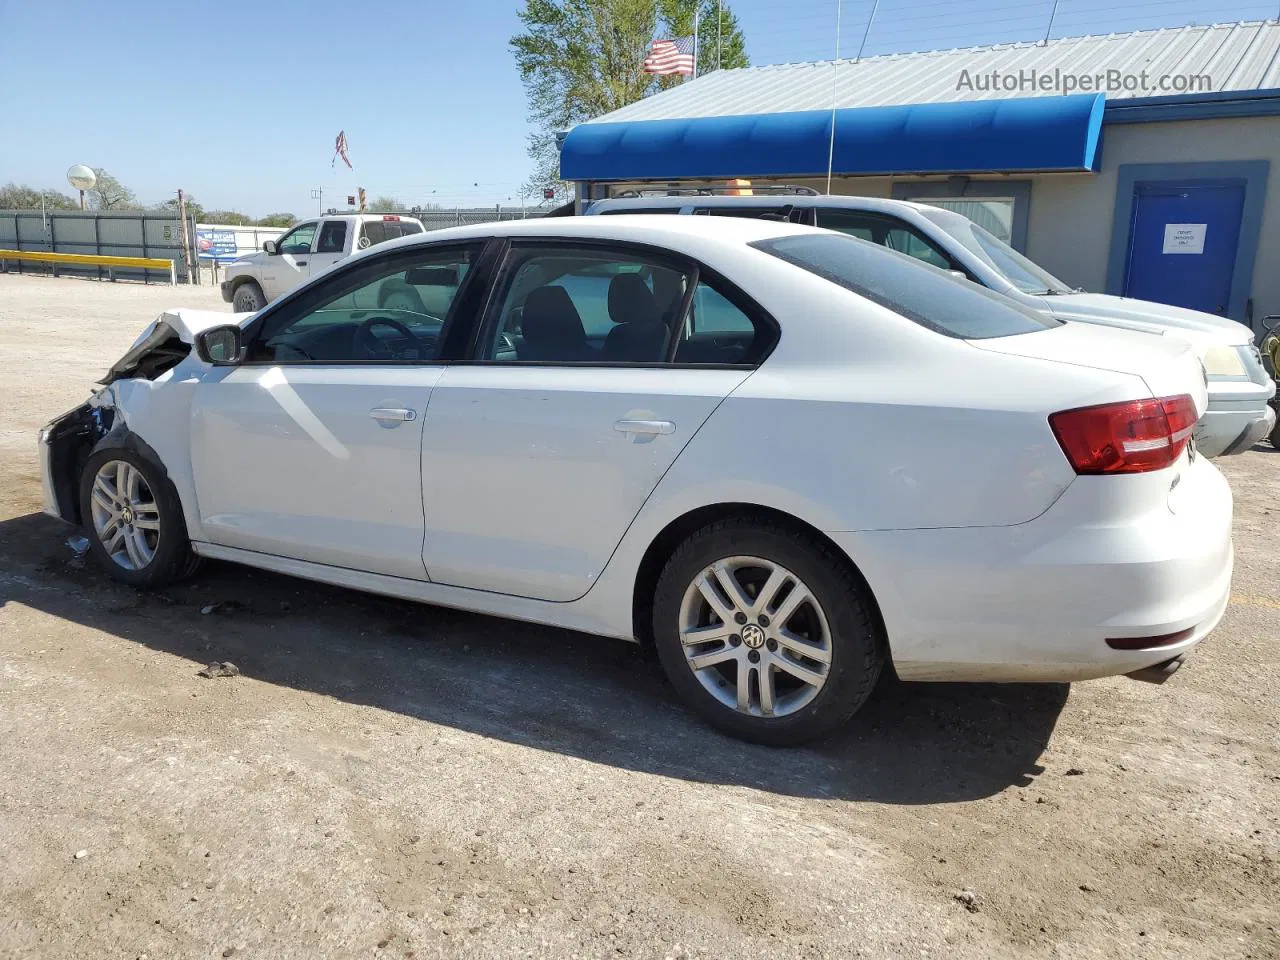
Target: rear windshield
x,y
929,296
380,231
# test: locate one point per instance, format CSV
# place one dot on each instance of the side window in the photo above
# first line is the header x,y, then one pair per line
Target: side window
x,y
383,312
371,233
298,240
333,237
717,331
887,232
576,305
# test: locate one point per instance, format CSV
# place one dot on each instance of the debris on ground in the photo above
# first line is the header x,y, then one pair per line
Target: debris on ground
x,y
81,854
222,606
224,668
969,899
79,551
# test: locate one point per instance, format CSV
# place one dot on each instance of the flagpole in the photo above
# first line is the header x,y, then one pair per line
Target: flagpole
x,y
694,75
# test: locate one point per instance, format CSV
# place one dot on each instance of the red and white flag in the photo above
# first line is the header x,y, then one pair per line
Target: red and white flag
x,y
340,150
668,57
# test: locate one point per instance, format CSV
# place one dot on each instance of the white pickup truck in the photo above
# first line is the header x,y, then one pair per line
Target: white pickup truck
x,y
308,249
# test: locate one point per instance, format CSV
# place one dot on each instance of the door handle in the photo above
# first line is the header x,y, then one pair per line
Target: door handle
x,y
648,427
301,263
393,415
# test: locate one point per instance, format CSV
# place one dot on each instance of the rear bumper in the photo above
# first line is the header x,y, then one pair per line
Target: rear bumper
x,y
1238,416
1038,601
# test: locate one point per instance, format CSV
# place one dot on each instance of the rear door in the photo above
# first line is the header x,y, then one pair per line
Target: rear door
x,y
585,385
330,246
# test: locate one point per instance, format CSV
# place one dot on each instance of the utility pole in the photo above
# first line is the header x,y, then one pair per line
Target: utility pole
x,y
318,195
694,75
719,30
1049,29
186,247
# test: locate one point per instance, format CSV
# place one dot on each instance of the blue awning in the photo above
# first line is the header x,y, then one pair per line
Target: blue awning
x,y
1006,136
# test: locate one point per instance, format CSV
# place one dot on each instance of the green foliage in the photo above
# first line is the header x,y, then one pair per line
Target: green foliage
x,y
226,217
277,220
579,59
19,196
722,48
110,194
193,208
387,204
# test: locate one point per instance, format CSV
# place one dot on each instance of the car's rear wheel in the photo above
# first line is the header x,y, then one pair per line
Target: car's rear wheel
x,y
248,298
134,520
766,632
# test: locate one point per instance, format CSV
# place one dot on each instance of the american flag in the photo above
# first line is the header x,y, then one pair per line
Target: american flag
x,y
670,56
340,150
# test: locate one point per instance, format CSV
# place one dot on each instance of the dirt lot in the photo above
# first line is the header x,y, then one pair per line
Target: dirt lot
x,y
391,780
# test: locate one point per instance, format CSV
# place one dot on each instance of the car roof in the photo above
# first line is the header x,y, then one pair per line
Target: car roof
x,y
641,228
768,199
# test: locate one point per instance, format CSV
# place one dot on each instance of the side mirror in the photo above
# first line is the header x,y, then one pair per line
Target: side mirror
x,y
219,346
271,247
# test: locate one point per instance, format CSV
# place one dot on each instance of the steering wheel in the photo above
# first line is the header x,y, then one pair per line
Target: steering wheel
x,y
375,348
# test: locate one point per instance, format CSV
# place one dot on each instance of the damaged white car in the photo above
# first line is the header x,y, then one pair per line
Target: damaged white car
x,y
784,456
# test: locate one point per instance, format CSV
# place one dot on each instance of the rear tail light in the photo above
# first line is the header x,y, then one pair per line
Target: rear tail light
x,y
1131,437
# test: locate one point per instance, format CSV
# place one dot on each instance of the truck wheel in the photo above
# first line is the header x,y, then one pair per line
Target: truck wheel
x,y
248,298
1275,434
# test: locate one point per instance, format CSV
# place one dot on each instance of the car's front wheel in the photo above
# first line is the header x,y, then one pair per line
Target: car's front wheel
x,y
248,298
134,521
766,632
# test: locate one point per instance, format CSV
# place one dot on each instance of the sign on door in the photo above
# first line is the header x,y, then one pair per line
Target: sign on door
x,y
1184,237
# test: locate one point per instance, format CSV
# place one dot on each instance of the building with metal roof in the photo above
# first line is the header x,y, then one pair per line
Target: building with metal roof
x,y
1065,145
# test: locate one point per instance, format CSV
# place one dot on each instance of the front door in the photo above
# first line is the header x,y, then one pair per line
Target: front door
x,y
1182,246
538,455
291,263
311,449
330,246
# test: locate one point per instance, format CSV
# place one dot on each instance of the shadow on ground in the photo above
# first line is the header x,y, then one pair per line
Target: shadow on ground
x,y
602,700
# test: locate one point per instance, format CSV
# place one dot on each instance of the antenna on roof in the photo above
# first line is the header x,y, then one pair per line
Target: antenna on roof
x,y
867,32
835,64
1049,29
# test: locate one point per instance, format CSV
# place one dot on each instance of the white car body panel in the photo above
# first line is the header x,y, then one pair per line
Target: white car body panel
x,y
288,460
530,477
988,557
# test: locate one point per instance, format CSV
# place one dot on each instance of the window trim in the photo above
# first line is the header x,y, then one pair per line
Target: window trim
x,y
308,297
490,316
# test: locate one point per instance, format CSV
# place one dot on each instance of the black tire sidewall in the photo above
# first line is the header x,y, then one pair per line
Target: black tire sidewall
x,y
252,289
857,643
173,550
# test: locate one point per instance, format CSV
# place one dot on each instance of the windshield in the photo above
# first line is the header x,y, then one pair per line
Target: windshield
x,y
1025,275
913,289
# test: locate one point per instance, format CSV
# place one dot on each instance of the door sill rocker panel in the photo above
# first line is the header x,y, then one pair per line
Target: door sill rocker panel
x,y
567,616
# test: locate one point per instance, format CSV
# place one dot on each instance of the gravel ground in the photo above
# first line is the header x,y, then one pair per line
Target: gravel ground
x,y
389,780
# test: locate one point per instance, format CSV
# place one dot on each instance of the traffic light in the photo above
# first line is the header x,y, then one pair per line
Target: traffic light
x,y
360,191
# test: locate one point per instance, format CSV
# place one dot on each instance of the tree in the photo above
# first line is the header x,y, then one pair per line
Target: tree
x,y
110,194
579,59
228,217
388,204
277,220
14,196
193,208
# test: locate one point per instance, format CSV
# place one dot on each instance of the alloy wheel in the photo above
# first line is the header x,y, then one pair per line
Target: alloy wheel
x,y
755,636
126,517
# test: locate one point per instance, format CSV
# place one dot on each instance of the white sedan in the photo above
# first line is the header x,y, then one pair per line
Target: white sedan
x,y
784,456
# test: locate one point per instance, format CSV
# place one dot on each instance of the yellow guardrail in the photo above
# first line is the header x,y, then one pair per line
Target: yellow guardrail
x,y
92,260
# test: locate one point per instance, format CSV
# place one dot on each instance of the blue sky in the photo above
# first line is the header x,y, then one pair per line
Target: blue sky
x,y
239,102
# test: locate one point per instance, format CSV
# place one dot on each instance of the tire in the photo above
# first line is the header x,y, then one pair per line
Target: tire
x,y
839,622
1274,436
247,297
152,548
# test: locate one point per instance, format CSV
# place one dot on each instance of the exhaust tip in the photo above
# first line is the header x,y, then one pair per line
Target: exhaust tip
x,y
1157,672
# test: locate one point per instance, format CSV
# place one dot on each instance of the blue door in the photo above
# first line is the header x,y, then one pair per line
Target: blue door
x,y
1182,246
